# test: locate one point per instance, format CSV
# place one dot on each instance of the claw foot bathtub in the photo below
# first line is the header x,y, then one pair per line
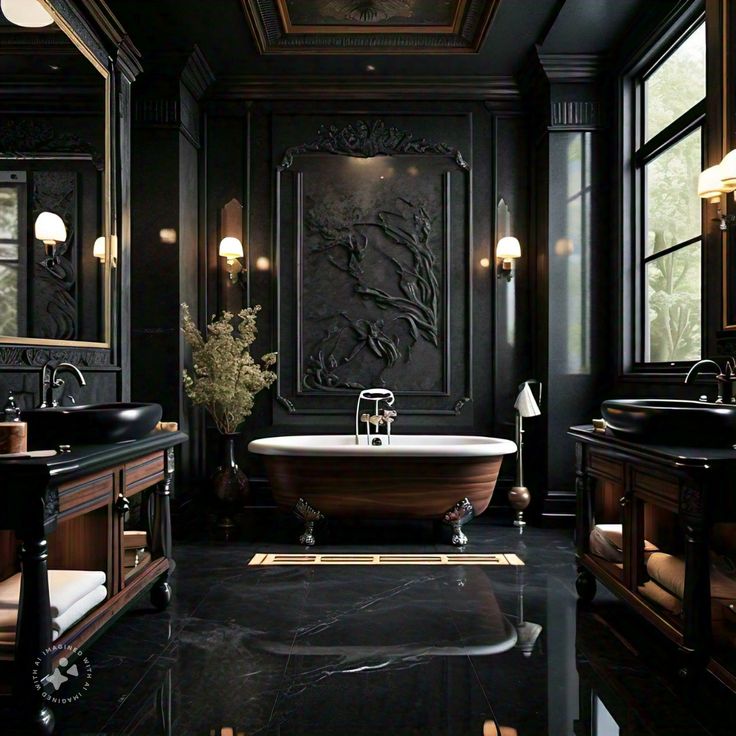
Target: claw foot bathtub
x,y
445,477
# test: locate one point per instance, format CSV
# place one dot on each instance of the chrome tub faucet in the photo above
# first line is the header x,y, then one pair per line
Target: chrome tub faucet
x,y
381,417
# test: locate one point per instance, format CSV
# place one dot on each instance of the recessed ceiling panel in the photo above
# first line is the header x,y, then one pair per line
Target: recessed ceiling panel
x,y
369,26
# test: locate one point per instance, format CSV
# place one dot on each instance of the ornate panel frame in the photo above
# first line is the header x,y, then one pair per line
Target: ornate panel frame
x,y
366,140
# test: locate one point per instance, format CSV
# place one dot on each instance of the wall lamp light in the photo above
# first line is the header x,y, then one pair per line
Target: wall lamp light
x,y
507,250
231,249
50,229
716,181
100,251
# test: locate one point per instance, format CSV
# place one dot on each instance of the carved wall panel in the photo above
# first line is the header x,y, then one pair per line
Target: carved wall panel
x,y
374,283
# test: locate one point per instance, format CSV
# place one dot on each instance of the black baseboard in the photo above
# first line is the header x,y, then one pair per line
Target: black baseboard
x,y
558,509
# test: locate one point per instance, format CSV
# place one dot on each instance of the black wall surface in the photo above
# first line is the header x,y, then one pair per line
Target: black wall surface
x,y
464,384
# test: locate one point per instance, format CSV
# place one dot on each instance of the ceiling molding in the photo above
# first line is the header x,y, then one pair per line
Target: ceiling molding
x,y
266,19
571,67
501,91
197,74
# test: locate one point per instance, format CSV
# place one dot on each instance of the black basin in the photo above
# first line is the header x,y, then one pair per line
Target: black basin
x,y
91,424
672,422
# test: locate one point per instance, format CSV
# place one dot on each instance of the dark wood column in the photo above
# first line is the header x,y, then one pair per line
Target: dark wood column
x,y
165,252
572,245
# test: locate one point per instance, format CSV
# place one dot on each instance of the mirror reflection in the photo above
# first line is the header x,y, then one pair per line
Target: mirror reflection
x,y
53,264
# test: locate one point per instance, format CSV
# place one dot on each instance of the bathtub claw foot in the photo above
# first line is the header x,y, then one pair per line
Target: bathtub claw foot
x,y
309,516
460,514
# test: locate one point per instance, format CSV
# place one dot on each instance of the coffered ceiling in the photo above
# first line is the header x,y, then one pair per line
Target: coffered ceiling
x,y
369,26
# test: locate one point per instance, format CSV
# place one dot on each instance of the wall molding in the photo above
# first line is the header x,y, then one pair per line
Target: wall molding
x,y
498,91
571,67
574,114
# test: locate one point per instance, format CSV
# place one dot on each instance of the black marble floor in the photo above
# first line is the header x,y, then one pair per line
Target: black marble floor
x,y
328,651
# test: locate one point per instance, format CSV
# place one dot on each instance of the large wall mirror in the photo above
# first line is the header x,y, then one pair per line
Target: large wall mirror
x,y
56,248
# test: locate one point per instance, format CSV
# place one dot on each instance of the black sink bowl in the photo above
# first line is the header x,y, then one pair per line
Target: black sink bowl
x,y
672,422
91,424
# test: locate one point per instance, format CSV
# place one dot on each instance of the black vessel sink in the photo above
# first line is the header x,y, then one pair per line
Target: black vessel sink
x,y
671,421
91,424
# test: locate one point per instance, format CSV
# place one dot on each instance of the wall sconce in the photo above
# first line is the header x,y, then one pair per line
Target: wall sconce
x,y
100,251
232,249
507,249
50,229
716,181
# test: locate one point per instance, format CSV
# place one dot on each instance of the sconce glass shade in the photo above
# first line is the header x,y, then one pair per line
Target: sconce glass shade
x,y
231,248
98,249
710,186
507,248
727,170
50,228
26,13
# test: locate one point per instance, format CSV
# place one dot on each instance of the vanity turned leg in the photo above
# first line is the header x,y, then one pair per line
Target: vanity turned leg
x,y
459,515
33,635
161,534
585,585
309,516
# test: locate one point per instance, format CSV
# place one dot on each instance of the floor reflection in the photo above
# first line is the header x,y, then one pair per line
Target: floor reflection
x,y
456,651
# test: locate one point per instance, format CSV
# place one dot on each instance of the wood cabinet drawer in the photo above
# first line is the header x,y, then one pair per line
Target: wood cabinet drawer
x,y
606,467
657,489
144,473
85,494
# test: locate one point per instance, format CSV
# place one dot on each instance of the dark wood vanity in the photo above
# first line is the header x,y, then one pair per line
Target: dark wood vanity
x,y
69,512
671,496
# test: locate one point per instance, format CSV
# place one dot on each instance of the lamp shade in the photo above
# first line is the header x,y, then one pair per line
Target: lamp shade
x,y
26,13
526,404
710,186
727,170
231,248
508,247
98,249
50,228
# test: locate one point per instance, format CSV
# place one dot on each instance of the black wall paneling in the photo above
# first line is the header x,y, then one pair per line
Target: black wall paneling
x,y
342,250
167,140
373,237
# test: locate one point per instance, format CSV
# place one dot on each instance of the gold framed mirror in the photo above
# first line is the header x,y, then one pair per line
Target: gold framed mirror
x,y
57,233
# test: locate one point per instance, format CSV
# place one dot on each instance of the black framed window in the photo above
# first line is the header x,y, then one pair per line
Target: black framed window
x,y
668,136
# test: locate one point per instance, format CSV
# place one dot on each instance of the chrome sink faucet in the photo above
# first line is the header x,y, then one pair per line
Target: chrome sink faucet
x,y
379,418
724,379
50,381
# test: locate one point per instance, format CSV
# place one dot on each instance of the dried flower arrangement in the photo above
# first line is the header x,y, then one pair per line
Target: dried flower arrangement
x,y
225,379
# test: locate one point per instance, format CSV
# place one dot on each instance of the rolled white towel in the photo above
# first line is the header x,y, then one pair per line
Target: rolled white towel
x,y
66,587
59,624
78,611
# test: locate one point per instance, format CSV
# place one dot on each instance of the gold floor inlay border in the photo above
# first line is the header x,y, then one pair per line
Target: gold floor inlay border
x,y
261,558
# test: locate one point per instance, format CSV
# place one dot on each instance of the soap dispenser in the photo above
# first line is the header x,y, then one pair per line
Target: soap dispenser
x,y
11,411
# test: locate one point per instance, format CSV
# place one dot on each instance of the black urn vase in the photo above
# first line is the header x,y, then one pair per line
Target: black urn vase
x,y
229,486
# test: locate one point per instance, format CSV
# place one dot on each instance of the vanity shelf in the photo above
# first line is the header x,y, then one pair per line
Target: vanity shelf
x,y
69,512
672,497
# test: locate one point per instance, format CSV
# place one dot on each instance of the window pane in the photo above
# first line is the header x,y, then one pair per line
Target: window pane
x,y
672,209
9,213
8,300
673,300
677,85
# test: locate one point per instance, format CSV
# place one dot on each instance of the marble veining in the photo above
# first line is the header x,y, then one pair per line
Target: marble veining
x,y
384,649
